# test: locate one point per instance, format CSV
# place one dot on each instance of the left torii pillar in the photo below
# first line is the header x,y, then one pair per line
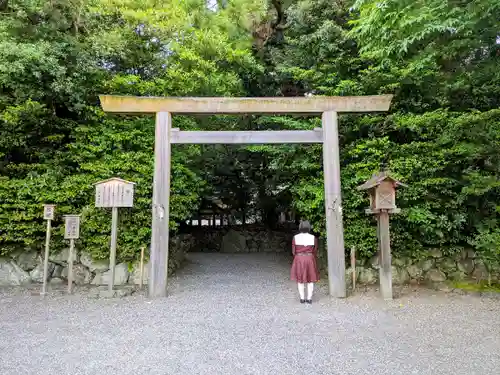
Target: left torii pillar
x,y
158,262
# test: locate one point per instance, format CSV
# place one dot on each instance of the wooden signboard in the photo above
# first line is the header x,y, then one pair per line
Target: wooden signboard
x,y
72,227
114,192
71,232
48,211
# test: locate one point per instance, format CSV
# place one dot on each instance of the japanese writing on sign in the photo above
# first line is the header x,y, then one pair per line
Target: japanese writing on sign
x,y
48,211
72,227
114,192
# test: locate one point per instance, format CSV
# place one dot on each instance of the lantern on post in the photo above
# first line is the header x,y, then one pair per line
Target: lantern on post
x,y
113,193
381,188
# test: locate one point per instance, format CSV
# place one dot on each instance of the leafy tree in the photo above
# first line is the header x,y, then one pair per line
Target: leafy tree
x,y
441,137
55,142
444,155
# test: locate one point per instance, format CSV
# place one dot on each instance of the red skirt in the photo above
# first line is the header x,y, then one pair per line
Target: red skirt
x,y
304,269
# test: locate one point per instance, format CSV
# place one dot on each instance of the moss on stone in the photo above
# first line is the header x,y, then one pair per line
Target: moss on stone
x,y
482,286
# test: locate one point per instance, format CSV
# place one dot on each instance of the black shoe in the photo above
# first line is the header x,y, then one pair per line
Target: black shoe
x,y
302,301
309,301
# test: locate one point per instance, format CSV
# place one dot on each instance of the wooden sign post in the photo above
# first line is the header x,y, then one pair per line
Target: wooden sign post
x,y
382,190
353,267
71,233
114,193
141,265
48,214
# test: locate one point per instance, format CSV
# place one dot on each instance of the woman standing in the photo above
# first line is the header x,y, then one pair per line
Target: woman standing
x,y
304,268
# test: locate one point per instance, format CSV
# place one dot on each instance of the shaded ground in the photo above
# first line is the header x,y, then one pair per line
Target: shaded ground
x,y
238,314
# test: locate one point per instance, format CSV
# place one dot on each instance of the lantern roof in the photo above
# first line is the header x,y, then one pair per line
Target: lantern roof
x,y
377,179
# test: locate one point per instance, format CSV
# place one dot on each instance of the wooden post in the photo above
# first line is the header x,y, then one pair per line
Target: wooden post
x,y
112,253
353,267
385,271
70,264
46,258
141,270
161,198
379,255
333,206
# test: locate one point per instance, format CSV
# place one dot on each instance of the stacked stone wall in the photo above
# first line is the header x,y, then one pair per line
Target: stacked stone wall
x,y
27,266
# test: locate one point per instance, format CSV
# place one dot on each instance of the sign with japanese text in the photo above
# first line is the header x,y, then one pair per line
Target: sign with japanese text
x,y
114,192
48,211
72,227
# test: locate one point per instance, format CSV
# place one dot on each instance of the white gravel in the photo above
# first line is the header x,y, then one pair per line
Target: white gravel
x,y
239,314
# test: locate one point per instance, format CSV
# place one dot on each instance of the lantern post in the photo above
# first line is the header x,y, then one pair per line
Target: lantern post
x,y
381,188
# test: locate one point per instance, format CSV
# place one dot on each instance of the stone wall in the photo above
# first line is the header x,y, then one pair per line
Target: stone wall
x,y
27,267
436,268
239,239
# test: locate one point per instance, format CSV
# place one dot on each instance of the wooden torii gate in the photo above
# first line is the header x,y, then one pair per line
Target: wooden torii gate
x,y
165,136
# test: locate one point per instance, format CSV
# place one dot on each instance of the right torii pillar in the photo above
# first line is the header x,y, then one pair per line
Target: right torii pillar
x,y
333,205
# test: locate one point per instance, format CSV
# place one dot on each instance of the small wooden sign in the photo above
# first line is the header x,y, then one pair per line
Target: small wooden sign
x,y
48,211
114,192
72,227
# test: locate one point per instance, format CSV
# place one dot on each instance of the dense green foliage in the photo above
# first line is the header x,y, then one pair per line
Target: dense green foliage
x,y
55,142
440,60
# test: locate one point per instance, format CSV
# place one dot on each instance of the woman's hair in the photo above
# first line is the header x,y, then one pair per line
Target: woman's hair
x,y
304,227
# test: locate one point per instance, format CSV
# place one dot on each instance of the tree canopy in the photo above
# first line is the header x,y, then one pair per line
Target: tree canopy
x,y
439,59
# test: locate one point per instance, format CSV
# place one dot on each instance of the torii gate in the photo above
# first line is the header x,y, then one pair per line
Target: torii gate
x,y
165,136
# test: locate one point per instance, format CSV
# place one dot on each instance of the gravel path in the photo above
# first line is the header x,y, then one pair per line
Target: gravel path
x,y
239,314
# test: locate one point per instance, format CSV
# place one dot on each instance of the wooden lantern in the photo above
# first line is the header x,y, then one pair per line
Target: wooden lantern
x,y
381,188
